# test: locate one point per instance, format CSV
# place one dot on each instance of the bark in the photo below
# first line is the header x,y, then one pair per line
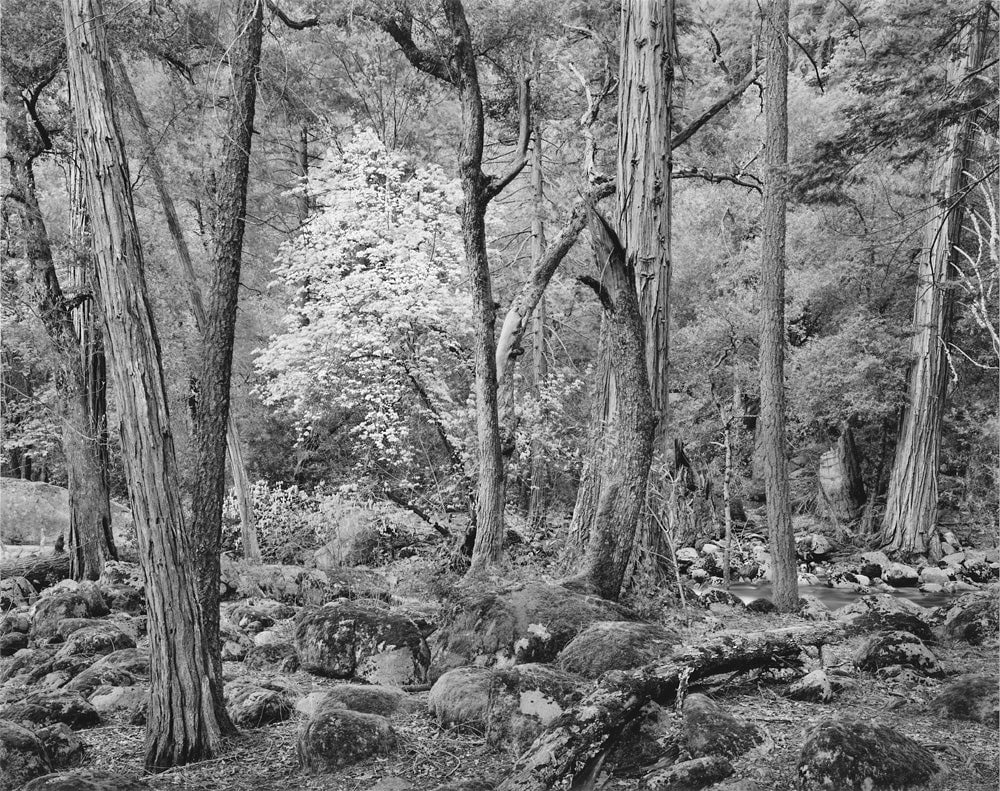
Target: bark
x,y
234,445
911,504
302,157
575,745
186,717
91,542
840,482
212,417
772,312
627,444
42,571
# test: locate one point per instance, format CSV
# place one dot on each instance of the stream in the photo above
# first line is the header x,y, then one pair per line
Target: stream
x,y
835,598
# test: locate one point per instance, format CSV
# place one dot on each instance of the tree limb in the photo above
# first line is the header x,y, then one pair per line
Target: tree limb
x,y
401,30
294,24
598,288
402,502
498,183
685,134
715,178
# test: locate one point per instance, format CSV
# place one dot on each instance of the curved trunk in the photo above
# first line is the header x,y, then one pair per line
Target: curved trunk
x,y
840,482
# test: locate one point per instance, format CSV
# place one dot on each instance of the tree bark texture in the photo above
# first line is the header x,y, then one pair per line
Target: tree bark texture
x,y
840,483
212,418
185,716
91,542
42,571
234,445
626,449
772,311
911,503
575,745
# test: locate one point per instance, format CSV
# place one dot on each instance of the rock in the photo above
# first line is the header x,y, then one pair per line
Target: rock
x,y
14,622
56,604
812,546
900,575
250,619
268,637
16,592
295,584
12,642
366,698
251,706
510,706
62,746
277,657
877,559
530,622
934,575
722,597
133,660
888,612
973,619
38,513
335,737
85,780
615,645
760,606
27,661
850,754
812,609
687,555
104,638
49,707
120,572
930,587
66,626
711,730
474,784
689,775
972,697
896,648
350,640
235,644
120,703
22,756
814,686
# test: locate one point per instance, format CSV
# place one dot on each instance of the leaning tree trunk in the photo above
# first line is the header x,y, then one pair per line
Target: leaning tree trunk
x,y
212,418
627,444
772,312
186,716
911,503
234,445
90,539
840,483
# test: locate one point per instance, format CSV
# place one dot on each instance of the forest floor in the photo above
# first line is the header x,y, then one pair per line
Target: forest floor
x,y
427,756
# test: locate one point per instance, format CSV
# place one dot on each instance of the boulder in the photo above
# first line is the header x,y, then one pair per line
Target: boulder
x,y
883,611
334,738
66,626
973,619
277,657
12,642
687,555
874,564
251,706
366,698
85,780
123,586
27,662
615,645
688,775
14,622
934,575
32,512
351,640
711,730
22,756
59,603
511,706
297,585
47,707
16,592
814,686
812,609
103,638
62,746
120,703
972,697
855,755
899,575
530,622
235,644
133,660
896,648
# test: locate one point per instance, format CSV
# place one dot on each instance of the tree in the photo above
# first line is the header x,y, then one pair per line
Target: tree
x,y
772,311
912,500
186,717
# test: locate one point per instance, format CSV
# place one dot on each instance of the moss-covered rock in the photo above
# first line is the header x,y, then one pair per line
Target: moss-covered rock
x,y
59,603
711,730
278,657
366,698
22,756
85,780
337,737
689,775
104,637
896,648
974,619
16,592
251,705
615,645
49,707
973,697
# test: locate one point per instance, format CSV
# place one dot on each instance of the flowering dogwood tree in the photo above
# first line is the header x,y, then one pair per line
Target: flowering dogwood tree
x,y
377,329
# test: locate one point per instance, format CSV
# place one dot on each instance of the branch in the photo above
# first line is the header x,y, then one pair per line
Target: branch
x,y
294,24
402,33
498,183
598,288
715,178
402,502
685,134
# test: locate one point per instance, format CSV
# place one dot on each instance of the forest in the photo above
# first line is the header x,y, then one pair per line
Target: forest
x,y
500,395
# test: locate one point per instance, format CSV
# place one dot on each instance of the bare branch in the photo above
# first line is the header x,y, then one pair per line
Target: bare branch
x,y
401,30
294,24
598,287
685,134
715,178
498,183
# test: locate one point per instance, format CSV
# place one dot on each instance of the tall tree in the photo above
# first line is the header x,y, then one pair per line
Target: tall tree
x,y
211,418
772,310
186,717
911,503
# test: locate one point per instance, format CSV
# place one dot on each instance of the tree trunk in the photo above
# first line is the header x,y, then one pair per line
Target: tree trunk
x,y
42,571
302,157
772,312
627,444
840,482
212,419
911,503
537,468
186,716
234,446
91,542
575,745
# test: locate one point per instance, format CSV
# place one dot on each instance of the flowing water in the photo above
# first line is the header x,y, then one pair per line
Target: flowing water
x,y
835,598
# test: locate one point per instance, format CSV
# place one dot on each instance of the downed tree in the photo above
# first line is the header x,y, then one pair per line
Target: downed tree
x,y
42,571
575,746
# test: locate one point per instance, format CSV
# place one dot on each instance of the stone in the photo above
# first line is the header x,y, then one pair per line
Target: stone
x,y
55,605
62,746
851,754
235,644
688,775
899,575
896,648
16,592
510,706
973,619
528,622
85,780
687,555
934,575
884,611
930,587
814,686
277,657
366,698
251,706
711,730
47,707
22,756
104,638
296,585
132,660
813,609
876,558
351,640
615,645
34,662
14,622
334,738
972,697
250,619
32,512
12,642
119,703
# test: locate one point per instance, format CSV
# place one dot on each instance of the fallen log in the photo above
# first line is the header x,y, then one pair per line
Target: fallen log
x,y
42,571
573,748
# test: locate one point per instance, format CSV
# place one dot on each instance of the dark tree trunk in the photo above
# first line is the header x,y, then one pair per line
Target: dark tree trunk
x,y
90,539
772,312
186,716
211,419
840,482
